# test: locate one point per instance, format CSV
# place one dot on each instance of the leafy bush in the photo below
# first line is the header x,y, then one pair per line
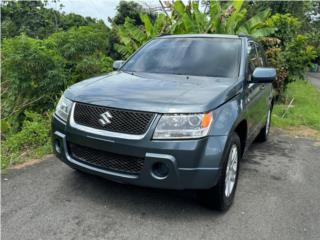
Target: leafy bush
x,y
78,42
314,40
289,52
286,27
298,55
83,50
36,72
291,60
275,59
32,76
32,141
92,65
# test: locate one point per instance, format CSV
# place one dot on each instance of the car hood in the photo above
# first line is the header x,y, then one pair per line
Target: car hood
x,y
162,93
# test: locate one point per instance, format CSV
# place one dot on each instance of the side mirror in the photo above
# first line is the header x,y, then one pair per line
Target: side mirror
x,y
117,64
264,75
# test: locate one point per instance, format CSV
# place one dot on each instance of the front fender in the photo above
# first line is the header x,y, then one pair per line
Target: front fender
x,y
227,116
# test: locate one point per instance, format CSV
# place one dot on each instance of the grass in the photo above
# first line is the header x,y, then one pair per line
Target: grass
x,y
304,110
30,142
19,157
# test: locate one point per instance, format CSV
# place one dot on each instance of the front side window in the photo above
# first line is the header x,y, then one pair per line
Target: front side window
x,y
213,57
262,56
253,59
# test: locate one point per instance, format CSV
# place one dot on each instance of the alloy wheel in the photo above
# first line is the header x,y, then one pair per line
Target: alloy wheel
x,y
231,172
268,122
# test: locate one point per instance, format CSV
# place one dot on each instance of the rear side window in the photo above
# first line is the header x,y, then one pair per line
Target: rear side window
x,y
214,57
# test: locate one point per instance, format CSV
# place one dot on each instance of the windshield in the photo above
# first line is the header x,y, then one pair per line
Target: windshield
x,y
214,57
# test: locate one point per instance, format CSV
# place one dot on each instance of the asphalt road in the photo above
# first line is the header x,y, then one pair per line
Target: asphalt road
x,y
314,78
278,197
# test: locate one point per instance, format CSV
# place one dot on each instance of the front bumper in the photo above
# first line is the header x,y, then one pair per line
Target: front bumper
x,y
192,164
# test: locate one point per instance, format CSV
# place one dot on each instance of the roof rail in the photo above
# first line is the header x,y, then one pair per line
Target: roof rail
x,y
243,35
164,34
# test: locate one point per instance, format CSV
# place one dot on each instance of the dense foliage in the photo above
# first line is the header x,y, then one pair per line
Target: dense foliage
x,y
44,51
29,69
289,50
84,51
220,18
34,20
46,67
32,141
132,10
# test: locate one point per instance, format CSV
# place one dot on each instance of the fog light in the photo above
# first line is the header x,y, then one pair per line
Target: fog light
x,y
57,146
160,170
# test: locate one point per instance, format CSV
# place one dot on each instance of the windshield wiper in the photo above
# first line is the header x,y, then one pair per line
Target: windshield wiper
x,y
129,72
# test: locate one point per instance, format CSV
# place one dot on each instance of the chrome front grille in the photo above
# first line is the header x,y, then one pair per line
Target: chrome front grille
x,y
111,119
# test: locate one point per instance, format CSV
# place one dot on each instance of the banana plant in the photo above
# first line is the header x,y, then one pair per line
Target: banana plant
x,y
132,36
257,25
188,18
227,19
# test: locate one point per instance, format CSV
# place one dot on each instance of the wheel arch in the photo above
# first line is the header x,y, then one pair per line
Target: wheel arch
x,y
242,130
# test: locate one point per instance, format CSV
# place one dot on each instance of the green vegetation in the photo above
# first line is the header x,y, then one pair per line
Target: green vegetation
x,y
34,20
304,109
228,18
32,141
132,10
44,51
289,50
35,72
40,71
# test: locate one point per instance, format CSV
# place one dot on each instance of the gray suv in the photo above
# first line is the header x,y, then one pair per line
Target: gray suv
x,y
178,114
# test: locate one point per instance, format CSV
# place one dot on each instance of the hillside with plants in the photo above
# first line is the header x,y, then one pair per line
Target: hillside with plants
x,y
43,51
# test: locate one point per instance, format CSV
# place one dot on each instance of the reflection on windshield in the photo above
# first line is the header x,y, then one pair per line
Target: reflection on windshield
x,y
215,57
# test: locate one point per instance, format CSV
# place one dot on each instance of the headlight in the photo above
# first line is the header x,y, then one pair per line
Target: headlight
x,y
183,126
63,108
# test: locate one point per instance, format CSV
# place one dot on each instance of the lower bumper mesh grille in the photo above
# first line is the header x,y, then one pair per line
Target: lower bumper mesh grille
x,y
106,160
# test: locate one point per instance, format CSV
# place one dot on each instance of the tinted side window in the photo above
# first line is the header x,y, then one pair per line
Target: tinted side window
x,y
262,56
253,59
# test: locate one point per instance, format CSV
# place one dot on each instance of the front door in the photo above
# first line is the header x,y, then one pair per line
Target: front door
x,y
254,92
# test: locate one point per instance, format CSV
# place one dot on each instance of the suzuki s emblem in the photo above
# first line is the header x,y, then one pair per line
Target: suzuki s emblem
x,y
105,118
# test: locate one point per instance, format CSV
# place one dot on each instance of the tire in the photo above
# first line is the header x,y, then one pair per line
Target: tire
x,y
78,171
264,132
219,197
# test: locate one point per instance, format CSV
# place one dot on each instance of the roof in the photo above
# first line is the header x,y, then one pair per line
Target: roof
x,y
200,36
